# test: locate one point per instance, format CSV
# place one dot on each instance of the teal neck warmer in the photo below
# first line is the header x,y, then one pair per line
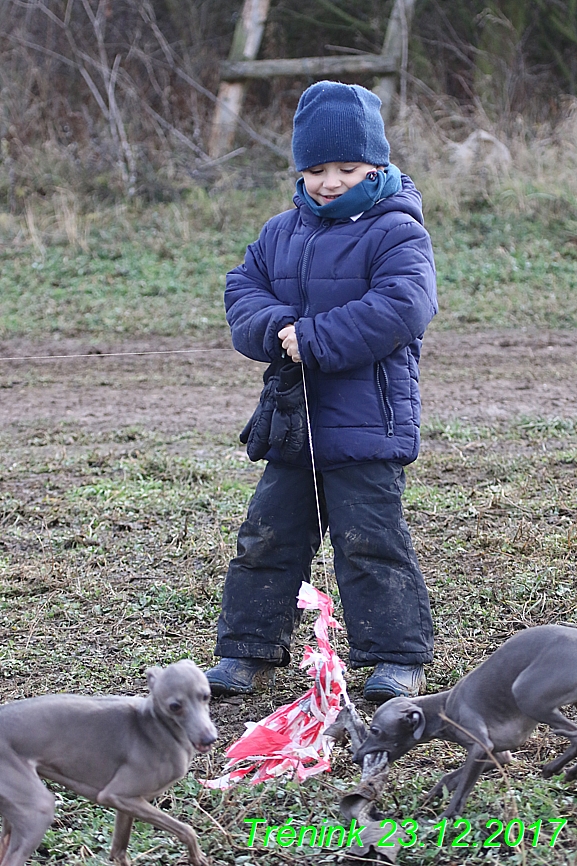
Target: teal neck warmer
x,y
359,198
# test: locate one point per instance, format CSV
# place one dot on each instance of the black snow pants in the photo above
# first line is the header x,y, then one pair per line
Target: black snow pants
x,y
384,598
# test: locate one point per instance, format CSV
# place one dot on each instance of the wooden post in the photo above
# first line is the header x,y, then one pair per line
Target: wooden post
x,y
395,49
313,67
245,45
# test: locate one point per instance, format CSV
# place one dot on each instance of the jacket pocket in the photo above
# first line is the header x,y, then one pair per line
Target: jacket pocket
x,y
385,404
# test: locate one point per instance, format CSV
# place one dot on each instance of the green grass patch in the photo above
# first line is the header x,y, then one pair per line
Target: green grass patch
x,y
162,271
499,272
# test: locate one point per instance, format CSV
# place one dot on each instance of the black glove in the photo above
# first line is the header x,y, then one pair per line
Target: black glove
x,y
280,417
288,430
256,433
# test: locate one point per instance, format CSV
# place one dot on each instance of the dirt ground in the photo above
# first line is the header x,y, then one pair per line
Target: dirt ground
x,y
477,378
171,387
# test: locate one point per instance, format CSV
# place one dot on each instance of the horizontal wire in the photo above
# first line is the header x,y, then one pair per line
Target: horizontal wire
x,y
104,355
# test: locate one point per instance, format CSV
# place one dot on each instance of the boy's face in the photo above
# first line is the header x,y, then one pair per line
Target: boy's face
x,y
324,183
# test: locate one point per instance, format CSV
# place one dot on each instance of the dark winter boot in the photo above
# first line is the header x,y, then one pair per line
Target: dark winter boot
x,y
389,680
239,676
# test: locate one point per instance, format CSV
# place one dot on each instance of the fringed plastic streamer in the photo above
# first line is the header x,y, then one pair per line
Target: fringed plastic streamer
x,y
291,740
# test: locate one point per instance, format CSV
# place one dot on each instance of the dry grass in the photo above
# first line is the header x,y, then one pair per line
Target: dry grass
x,y
515,169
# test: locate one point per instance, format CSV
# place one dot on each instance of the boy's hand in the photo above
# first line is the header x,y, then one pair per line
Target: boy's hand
x,y
289,342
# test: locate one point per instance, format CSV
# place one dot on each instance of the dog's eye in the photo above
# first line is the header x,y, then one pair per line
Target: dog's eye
x,y
175,706
374,730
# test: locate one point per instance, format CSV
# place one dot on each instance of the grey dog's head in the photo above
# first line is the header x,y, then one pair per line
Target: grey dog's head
x,y
396,727
181,694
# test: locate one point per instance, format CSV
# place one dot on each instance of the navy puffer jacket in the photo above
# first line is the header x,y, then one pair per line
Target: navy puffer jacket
x,y
361,294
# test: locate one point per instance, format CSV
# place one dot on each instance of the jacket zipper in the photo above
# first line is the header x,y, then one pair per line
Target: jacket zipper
x,y
302,279
384,393
304,267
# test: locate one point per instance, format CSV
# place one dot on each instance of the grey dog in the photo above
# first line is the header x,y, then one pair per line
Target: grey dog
x,y
490,711
116,751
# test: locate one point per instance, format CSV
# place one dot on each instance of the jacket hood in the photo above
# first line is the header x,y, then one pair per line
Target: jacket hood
x,y
408,200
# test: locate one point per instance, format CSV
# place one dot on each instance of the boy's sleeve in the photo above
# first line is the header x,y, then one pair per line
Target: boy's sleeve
x,y
255,315
397,308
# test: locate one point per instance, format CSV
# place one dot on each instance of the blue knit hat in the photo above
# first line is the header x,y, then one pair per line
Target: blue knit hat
x,y
337,122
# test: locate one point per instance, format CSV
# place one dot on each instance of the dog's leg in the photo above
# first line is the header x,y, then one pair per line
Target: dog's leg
x,y
571,774
468,774
448,781
451,780
120,839
532,705
27,808
142,810
4,839
562,727
556,765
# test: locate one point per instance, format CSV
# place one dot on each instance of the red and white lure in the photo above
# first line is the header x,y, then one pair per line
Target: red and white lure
x,y
292,740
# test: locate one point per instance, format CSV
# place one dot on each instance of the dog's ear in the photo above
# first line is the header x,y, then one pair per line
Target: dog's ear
x,y
151,675
417,721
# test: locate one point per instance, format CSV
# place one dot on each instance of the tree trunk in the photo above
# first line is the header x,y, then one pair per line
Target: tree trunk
x,y
395,50
245,45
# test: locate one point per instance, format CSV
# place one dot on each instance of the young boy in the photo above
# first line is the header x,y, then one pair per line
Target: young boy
x,y
345,285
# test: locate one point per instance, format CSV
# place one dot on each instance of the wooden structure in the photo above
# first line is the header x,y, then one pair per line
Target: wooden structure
x,y
242,66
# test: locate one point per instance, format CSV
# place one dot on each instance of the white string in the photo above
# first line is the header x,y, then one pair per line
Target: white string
x,y
104,355
346,698
315,483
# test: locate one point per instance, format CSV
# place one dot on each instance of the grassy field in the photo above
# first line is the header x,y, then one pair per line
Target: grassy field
x,y
114,546
161,270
